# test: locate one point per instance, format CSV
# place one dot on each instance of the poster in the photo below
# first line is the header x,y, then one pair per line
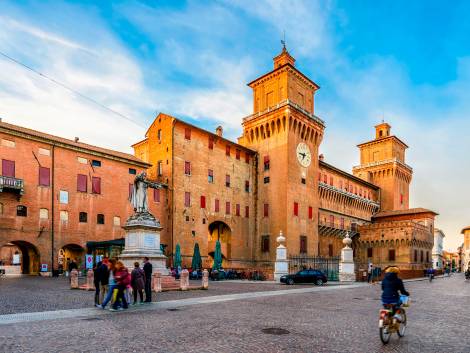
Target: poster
x,y
89,261
43,267
16,259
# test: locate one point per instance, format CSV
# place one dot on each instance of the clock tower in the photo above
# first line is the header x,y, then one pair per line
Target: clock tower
x,y
286,133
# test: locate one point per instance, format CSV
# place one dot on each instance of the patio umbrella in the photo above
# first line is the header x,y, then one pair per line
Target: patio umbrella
x,y
197,261
217,257
177,262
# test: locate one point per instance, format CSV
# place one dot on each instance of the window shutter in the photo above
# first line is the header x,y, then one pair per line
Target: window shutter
x,y
247,158
227,150
310,212
156,195
203,202
237,209
247,211
296,209
266,210
237,154
187,199
96,185
227,207
44,176
211,142
216,205
187,133
81,183
8,168
187,168
131,188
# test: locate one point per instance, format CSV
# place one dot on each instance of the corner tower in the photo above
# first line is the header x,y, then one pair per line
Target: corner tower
x,y
285,132
383,164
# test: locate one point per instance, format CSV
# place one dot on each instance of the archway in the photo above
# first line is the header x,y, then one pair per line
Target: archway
x,y
20,257
219,230
68,253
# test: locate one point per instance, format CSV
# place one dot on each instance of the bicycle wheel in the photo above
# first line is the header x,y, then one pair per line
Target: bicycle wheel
x,y
385,334
402,328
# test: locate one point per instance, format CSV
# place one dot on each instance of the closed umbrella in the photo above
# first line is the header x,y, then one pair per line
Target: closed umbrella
x,y
197,261
217,257
177,262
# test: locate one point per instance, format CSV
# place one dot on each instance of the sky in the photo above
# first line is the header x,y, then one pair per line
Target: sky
x,y
405,62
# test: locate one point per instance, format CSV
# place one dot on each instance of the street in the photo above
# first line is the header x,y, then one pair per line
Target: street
x,y
318,319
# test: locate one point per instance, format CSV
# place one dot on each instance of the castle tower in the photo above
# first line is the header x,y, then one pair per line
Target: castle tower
x,y
383,164
286,134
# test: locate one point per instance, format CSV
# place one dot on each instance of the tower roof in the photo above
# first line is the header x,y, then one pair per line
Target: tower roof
x,y
283,58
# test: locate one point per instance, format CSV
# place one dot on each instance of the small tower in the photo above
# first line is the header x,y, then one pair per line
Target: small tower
x,y
383,164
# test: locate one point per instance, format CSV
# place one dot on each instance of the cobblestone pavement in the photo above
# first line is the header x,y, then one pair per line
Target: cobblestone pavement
x,y
333,320
31,294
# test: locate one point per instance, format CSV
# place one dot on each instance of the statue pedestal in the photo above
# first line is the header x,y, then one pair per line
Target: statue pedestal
x,y
281,266
143,240
346,266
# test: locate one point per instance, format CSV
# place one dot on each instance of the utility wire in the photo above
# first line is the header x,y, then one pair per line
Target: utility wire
x,y
71,89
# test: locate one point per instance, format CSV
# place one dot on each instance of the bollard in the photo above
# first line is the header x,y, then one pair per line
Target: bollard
x,y
184,279
205,279
157,282
74,279
90,285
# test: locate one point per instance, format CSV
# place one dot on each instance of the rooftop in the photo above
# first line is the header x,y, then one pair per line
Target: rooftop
x,y
464,229
410,211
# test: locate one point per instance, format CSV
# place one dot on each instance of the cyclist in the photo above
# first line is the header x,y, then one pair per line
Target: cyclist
x,y
391,286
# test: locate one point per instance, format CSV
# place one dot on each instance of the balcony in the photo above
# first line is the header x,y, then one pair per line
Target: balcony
x,y
11,184
336,229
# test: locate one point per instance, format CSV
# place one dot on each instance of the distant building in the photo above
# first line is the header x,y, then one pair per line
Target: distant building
x,y
438,248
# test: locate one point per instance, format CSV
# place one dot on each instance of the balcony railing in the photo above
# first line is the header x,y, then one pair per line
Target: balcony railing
x,y
336,228
11,183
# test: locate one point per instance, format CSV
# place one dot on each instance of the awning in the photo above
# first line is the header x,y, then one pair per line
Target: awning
x,y
105,243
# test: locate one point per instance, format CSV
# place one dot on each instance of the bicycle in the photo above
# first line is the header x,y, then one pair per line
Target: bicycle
x,y
392,318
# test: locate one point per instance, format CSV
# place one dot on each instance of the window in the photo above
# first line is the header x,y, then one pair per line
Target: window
x,y
81,182
330,250
391,255
319,176
8,168
266,180
44,151
43,213
227,150
187,168
203,202
210,176
296,209
216,205
64,216
247,186
401,199
187,199
237,209
8,143
325,179
64,197
416,256
265,243
303,244
427,256
266,162
342,222
341,184
44,176
132,171
331,180
303,181
96,163
310,212
131,190
96,185
117,221
422,256
247,158
82,160
83,217
247,211
100,218
227,180
211,142
266,210
159,135
160,168
227,207
187,133
156,195
370,252
237,154
21,211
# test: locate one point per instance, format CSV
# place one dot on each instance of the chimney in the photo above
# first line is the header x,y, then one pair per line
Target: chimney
x,y
219,131
76,139
321,157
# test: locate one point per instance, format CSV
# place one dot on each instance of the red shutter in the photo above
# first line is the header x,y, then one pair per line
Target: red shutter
x,y
325,179
332,221
266,210
227,180
44,176
131,188
156,195
247,211
187,133
227,207
203,202
187,199
227,150
211,142
247,158
8,168
237,209
82,183
401,199
96,185
310,212
187,168
237,154
319,176
296,209
331,180
342,223
216,206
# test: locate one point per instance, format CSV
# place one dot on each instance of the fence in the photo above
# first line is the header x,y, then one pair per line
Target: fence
x,y
328,265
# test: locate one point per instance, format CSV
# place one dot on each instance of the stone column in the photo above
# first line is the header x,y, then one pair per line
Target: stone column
x,y
74,279
184,279
281,266
205,279
90,285
346,266
157,282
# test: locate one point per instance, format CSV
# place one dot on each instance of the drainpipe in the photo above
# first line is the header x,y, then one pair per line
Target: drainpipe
x,y
52,208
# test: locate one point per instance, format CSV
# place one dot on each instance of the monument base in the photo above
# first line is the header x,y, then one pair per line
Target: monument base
x,y
281,268
347,271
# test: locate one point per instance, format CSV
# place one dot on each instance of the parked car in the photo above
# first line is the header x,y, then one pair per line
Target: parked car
x,y
305,276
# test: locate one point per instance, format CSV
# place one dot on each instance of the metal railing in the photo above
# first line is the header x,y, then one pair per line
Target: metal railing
x,y
328,265
11,183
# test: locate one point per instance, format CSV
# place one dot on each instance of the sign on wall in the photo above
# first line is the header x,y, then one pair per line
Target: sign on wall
x,y
44,267
89,261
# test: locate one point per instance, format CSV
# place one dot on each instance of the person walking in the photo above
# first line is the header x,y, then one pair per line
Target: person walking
x,y
96,282
111,284
148,280
369,272
138,282
103,279
123,278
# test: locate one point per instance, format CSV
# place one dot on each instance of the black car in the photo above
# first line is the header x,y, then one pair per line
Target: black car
x,y
305,276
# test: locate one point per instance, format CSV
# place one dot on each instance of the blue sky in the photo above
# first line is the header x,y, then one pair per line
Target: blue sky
x,y
406,62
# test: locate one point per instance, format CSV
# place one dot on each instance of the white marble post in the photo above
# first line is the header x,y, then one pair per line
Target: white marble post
x,y
74,279
184,279
347,271
157,282
281,266
90,285
205,279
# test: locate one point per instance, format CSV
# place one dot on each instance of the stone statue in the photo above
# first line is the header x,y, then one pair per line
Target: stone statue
x,y
138,196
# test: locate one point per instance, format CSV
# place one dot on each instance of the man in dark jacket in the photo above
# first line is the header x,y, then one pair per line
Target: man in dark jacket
x,y
101,278
391,286
148,280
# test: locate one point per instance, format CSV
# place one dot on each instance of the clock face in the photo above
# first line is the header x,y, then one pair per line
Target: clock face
x,y
303,155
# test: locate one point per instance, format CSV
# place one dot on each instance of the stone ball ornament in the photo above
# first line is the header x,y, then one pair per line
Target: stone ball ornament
x,y
280,238
347,239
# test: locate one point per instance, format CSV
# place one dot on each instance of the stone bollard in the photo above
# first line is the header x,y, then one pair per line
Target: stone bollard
x,y
205,279
90,285
74,279
184,279
157,282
